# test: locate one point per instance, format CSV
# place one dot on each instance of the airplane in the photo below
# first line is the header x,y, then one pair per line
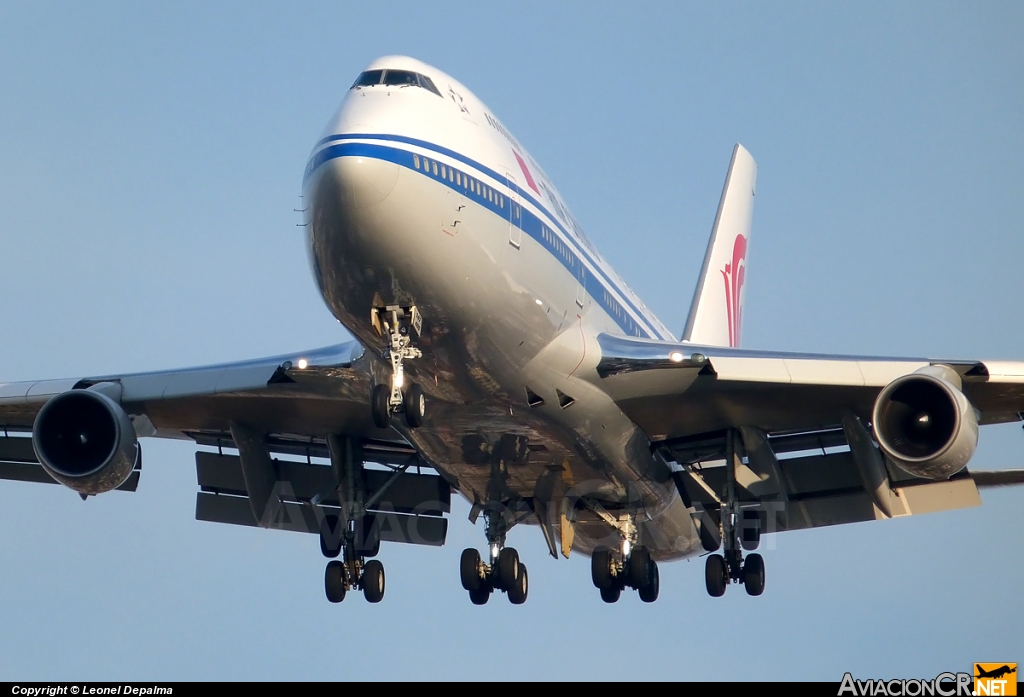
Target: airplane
x,y
996,672
496,349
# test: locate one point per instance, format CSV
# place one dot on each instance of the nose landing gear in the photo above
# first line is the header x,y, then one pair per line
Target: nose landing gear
x,y
397,323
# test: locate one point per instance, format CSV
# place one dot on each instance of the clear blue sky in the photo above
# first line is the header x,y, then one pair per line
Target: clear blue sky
x,y
150,159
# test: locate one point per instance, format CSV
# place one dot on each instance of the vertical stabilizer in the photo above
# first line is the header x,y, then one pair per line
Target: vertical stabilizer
x,y
717,310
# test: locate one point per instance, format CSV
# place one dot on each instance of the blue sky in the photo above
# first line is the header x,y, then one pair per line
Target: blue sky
x,y
150,162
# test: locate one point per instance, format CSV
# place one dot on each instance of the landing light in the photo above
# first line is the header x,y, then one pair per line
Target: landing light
x,y
676,357
302,364
539,301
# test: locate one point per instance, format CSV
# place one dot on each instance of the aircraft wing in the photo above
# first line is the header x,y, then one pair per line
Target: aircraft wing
x,y
328,394
282,405
674,390
790,410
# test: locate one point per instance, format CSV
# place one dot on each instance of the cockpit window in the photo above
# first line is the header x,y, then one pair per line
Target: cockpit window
x,y
396,78
401,77
427,83
370,77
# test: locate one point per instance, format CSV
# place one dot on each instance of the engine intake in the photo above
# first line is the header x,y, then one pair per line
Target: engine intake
x,y
924,423
85,441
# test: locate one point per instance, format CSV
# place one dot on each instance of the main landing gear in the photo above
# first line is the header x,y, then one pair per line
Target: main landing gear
x,y
355,571
396,323
741,530
353,533
504,571
631,565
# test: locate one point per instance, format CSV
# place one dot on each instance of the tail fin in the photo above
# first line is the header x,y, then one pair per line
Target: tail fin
x,y
717,310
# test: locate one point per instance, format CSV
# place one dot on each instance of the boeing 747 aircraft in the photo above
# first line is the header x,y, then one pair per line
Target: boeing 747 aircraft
x,y
498,355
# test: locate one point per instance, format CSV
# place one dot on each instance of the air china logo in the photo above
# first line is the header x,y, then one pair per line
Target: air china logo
x,y
733,275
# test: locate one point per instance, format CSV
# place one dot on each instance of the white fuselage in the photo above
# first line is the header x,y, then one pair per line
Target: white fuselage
x,y
425,199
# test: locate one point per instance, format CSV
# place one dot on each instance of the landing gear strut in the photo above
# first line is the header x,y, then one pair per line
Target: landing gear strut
x,y
631,565
354,535
741,530
504,572
397,324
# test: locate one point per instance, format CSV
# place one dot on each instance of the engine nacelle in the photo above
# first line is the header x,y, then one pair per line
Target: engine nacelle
x,y
924,423
85,441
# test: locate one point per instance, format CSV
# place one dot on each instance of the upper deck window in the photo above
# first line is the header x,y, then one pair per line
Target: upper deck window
x,y
395,78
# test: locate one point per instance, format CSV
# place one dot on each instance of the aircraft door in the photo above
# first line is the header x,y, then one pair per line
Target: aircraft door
x,y
581,282
515,214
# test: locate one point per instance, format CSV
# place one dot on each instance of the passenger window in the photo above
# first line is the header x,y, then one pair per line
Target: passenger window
x,y
416,161
444,172
458,178
501,200
451,175
435,169
370,77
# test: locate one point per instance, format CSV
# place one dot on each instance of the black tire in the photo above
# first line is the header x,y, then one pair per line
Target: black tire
x,y
330,536
753,574
715,575
469,570
611,595
379,399
750,530
517,594
639,567
480,596
368,537
508,568
334,581
415,405
649,593
373,581
601,568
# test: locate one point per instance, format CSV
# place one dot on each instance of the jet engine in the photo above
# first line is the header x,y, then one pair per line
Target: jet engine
x,y
85,441
924,423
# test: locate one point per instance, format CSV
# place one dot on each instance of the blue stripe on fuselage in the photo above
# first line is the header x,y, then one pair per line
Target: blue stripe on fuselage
x,y
527,222
580,251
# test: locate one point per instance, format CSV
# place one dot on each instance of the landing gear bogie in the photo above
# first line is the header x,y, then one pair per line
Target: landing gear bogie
x,y
611,575
505,573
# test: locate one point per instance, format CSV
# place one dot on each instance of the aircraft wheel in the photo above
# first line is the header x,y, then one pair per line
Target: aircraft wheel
x,y
469,570
379,399
601,568
334,581
639,567
373,581
415,405
753,574
715,575
517,594
330,536
508,568
649,593
611,595
480,595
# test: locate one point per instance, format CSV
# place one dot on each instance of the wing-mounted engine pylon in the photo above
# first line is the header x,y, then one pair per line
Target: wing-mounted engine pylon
x,y
716,313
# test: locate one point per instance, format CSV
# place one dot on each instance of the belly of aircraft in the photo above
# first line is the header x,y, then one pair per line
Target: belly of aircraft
x,y
381,235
